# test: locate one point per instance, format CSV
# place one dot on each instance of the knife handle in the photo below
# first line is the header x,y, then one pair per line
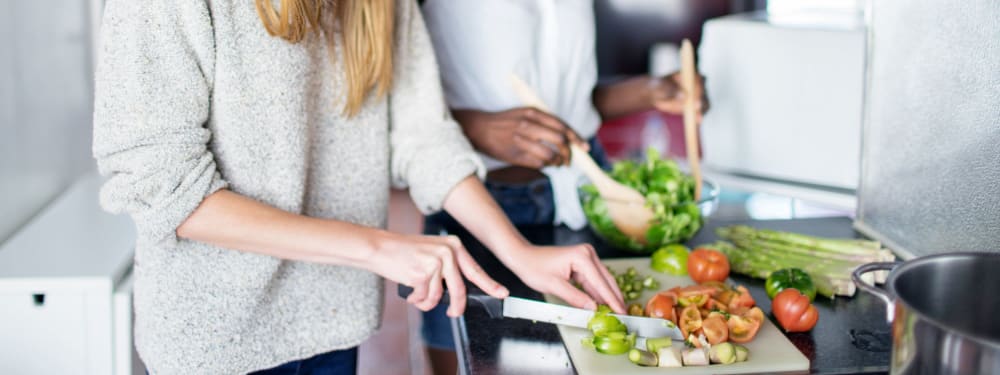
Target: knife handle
x,y
492,305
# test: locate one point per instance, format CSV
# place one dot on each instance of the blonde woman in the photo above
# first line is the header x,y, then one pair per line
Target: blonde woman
x,y
254,146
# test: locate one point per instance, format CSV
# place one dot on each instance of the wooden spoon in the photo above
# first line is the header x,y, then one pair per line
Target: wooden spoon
x,y
626,206
688,77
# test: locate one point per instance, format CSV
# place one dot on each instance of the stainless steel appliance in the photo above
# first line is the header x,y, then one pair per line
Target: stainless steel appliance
x,y
943,310
930,174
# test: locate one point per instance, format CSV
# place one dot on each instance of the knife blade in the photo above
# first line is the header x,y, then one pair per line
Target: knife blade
x,y
523,308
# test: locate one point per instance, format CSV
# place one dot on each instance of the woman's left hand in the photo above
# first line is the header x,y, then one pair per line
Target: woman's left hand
x,y
550,269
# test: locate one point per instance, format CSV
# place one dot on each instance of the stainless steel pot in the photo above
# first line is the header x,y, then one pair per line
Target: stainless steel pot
x,y
945,312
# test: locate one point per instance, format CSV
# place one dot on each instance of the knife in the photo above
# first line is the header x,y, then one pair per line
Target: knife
x,y
523,308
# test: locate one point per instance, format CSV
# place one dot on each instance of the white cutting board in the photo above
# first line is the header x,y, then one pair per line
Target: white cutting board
x,y
770,350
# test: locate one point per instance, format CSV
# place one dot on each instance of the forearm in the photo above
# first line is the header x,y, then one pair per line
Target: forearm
x,y
623,97
473,207
232,221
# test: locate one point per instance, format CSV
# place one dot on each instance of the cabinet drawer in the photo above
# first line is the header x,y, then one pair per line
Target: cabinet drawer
x,y
43,333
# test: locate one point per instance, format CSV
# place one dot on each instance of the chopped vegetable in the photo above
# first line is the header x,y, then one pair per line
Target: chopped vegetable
x,y
715,329
694,357
742,329
669,357
671,259
603,324
642,357
635,309
794,312
724,353
742,353
690,320
662,306
707,265
655,344
632,284
611,346
741,298
790,278
669,194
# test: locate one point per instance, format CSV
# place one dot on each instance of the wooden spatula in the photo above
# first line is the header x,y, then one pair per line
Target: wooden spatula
x,y
688,76
626,206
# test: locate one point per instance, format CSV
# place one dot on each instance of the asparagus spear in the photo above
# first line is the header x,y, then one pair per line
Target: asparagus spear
x,y
822,244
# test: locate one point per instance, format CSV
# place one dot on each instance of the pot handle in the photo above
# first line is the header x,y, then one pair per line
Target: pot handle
x,y
884,295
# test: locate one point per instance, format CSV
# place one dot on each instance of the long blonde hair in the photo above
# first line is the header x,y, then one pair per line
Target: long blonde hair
x,y
366,35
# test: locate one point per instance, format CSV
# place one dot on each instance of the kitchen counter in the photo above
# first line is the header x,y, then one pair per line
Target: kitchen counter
x,y
852,335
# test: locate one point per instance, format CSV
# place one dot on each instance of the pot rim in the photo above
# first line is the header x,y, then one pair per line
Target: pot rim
x,y
890,283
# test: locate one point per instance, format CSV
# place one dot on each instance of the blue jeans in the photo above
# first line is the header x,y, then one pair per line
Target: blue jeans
x,y
528,203
337,362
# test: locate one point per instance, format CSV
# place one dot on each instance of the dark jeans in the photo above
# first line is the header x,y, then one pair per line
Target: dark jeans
x,y
338,362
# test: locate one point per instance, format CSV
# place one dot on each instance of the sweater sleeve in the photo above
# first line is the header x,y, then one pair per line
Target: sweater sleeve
x,y
152,90
430,154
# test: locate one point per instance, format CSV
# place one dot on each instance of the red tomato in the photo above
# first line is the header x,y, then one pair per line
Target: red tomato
x,y
662,306
715,329
690,320
742,329
793,310
742,298
708,265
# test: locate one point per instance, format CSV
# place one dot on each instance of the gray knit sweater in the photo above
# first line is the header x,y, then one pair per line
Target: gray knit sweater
x,y
193,96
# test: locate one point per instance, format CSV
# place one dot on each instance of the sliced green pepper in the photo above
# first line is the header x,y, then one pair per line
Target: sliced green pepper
x,y
612,346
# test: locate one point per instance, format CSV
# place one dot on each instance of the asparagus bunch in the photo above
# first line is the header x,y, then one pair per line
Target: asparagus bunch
x,y
758,252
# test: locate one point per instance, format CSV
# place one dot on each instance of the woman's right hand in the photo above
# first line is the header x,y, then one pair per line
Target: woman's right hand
x,y
524,137
423,262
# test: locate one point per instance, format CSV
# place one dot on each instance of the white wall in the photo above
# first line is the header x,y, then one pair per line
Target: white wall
x,y
45,103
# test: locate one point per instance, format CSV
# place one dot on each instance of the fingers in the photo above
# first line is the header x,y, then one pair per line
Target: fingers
x,y
573,296
552,139
536,153
419,293
608,277
552,122
478,277
435,289
588,267
453,279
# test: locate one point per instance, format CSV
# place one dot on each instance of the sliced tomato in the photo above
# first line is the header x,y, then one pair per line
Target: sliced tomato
x,y
754,313
693,300
738,310
742,329
742,298
662,306
690,320
717,285
694,290
715,329
714,304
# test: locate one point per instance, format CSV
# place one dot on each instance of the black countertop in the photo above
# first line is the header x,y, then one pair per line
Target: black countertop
x,y
852,335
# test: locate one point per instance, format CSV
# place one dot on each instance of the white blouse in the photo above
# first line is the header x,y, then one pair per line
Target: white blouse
x,y
550,44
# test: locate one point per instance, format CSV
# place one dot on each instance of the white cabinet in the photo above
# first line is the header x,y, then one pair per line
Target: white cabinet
x,y
65,292
786,96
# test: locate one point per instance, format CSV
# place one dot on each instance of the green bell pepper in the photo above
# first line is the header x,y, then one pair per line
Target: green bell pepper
x,y
793,278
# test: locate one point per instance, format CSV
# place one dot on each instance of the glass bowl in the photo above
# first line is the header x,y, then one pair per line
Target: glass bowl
x,y
675,224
